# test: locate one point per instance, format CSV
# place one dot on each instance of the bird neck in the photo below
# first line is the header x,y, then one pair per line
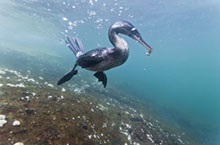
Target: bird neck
x,y
117,41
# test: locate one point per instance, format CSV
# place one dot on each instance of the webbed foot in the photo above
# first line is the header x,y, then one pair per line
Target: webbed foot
x,y
67,76
101,77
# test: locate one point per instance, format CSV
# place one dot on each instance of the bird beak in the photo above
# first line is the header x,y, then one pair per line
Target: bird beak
x,y
141,41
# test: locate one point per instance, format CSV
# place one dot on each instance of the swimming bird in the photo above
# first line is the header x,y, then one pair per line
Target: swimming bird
x,y
102,59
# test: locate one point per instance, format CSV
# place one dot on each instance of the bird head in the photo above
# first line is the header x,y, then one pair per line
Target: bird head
x,y
126,28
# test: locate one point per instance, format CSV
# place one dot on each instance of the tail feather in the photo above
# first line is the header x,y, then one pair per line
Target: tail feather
x,y
75,46
71,42
74,43
79,43
70,46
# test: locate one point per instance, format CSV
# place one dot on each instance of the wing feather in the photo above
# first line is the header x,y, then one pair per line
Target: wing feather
x,y
94,57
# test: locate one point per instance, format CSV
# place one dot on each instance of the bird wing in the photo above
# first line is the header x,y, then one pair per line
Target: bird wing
x,y
94,57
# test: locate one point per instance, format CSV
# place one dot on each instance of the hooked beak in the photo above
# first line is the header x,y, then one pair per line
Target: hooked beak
x,y
141,41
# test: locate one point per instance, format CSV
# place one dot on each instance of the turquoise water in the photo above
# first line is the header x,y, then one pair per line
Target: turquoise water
x,y
180,80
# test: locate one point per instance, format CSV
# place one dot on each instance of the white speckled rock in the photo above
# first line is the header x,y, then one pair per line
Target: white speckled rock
x,y
16,123
19,143
63,90
2,117
2,122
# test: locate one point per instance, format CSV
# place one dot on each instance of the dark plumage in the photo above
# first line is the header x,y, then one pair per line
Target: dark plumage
x,y
102,59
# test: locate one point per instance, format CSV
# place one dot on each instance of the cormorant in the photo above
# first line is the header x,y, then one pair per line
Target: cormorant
x,y
102,59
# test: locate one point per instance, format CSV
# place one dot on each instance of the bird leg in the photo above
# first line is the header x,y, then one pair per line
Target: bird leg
x,y
68,76
101,77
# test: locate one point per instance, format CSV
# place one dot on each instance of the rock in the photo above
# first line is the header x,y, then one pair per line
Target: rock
x,y
2,117
2,122
19,143
29,111
16,123
84,127
63,90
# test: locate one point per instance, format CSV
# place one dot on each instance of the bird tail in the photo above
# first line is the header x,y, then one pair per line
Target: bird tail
x,y
75,45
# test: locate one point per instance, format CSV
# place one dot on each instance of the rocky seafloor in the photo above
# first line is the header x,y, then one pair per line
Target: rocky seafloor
x,y
34,111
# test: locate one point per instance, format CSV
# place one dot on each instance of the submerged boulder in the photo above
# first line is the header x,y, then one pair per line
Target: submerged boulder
x,y
2,120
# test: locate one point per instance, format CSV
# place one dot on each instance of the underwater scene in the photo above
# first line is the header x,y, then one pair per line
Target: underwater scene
x,y
170,96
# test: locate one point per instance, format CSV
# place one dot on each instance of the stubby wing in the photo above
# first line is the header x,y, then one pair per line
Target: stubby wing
x,y
93,57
